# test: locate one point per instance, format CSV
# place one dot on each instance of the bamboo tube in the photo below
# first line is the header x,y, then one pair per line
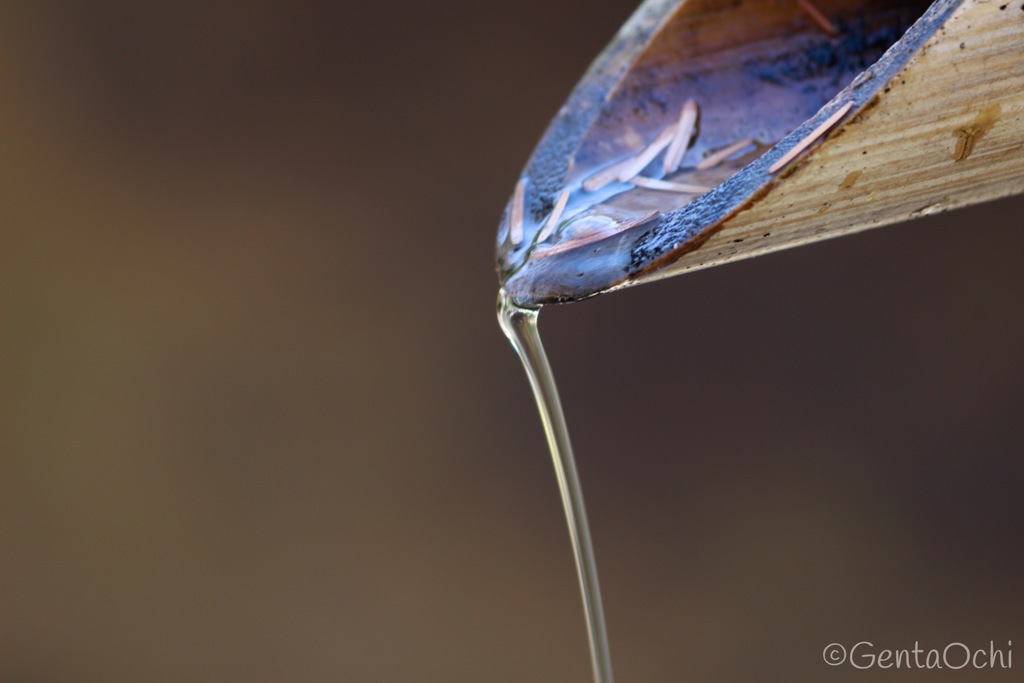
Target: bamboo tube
x,y
945,132
935,123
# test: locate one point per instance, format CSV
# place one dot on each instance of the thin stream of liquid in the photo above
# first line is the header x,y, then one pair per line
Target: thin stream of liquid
x,y
520,326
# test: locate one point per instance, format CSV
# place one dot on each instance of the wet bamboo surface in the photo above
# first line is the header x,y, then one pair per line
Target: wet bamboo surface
x,y
853,127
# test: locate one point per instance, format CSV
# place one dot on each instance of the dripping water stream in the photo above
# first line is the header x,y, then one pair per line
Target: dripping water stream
x,y
520,326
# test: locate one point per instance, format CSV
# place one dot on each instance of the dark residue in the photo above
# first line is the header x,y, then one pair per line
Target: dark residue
x,y
852,51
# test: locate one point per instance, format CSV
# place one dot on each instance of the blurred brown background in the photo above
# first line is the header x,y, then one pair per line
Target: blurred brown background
x,y
258,422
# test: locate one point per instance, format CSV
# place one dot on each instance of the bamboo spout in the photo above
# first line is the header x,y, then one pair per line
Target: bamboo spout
x,y
934,123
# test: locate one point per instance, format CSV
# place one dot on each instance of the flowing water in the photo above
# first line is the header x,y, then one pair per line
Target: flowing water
x,y
520,326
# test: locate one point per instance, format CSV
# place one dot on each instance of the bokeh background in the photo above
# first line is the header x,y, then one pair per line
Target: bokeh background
x,y
258,422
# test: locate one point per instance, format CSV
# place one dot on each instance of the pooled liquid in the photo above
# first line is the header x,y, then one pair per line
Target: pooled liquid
x,y
520,326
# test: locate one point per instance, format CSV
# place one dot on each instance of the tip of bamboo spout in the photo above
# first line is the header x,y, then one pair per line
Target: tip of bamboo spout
x,y
781,95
